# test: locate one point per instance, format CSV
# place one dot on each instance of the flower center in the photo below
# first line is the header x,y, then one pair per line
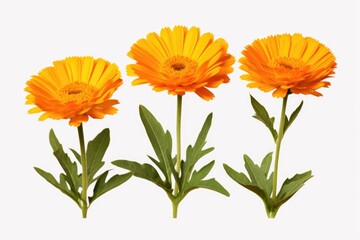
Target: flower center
x,y
286,63
76,92
179,67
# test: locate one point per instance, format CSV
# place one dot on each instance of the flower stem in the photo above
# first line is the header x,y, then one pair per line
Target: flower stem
x,y
278,144
178,149
175,206
84,205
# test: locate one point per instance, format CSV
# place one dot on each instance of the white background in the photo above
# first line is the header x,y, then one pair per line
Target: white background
x,y
324,138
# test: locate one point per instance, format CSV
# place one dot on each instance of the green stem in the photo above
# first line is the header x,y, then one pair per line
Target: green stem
x,y
178,140
175,206
178,151
278,145
84,205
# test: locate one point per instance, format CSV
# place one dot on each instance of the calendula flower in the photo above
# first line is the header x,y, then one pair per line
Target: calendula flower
x,y
287,64
74,88
181,60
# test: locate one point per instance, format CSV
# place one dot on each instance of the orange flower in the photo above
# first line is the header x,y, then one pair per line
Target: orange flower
x,y
181,60
74,88
287,63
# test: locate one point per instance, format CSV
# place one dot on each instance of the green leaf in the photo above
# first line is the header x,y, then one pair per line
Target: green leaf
x,y
54,142
292,185
69,167
95,152
266,163
160,165
238,177
160,140
61,186
256,175
262,115
193,154
269,185
102,186
145,171
293,116
201,139
203,172
76,154
244,181
210,184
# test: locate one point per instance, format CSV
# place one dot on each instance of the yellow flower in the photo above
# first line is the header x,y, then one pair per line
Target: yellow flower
x,y
287,63
181,60
74,88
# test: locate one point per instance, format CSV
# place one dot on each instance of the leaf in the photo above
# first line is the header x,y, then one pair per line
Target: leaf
x,y
193,154
61,186
95,152
54,142
102,186
76,154
145,171
244,181
292,185
269,185
293,116
69,167
238,177
203,172
266,163
210,184
158,164
160,140
262,115
201,139
254,171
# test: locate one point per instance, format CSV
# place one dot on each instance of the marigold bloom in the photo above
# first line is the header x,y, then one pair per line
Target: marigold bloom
x,y
181,60
287,63
74,88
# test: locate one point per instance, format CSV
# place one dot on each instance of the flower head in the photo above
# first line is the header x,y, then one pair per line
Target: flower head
x,y
287,64
181,60
74,88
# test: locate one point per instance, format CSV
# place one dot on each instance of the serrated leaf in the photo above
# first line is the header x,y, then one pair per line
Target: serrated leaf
x,y
193,154
238,177
250,168
76,154
95,152
47,176
292,185
201,139
269,185
203,172
244,181
204,152
160,165
160,140
262,115
69,167
145,171
102,186
61,186
210,184
293,116
257,175
266,163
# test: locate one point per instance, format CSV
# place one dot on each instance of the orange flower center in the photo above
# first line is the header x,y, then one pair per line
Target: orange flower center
x,y
76,92
286,63
179,67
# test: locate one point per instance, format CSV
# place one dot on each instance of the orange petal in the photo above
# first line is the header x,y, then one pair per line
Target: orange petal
x,y
205,94
280,93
